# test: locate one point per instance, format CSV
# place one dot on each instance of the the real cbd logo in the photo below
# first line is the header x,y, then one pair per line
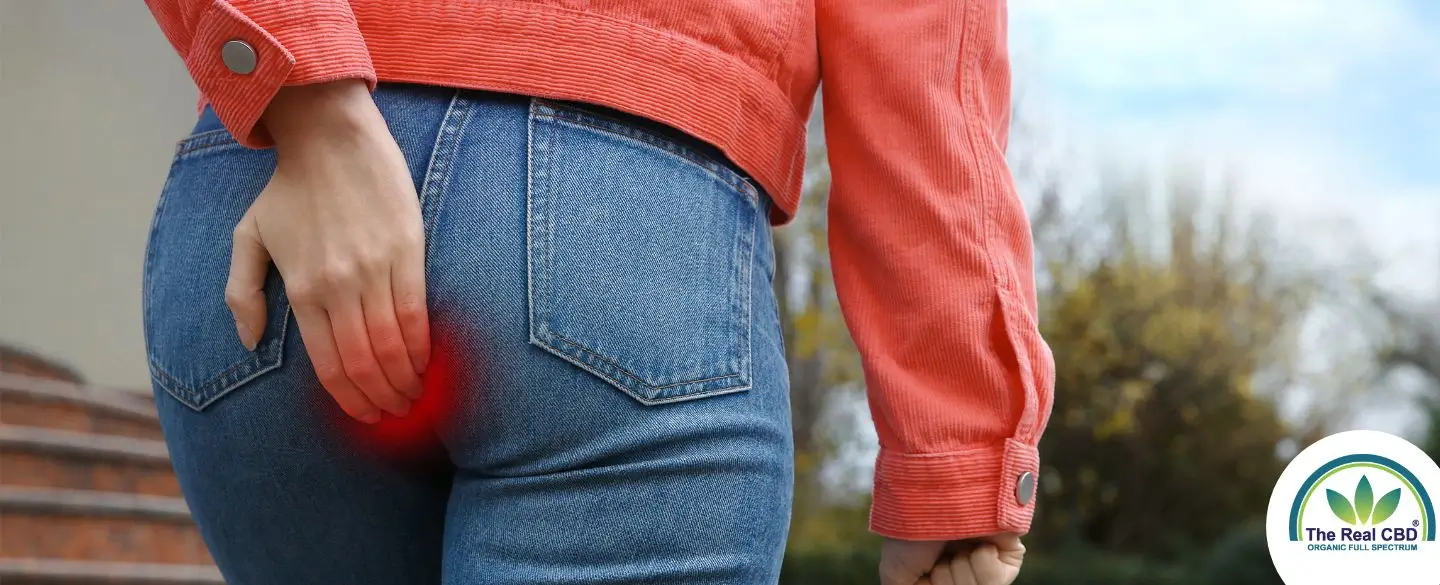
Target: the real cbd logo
x,y
1363,510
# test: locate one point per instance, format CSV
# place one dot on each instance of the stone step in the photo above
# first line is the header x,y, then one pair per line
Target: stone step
x,y
97,526
37,402
62,572
40,457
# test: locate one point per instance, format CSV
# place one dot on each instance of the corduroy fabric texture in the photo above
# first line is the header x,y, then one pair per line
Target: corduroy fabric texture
x,y
930,244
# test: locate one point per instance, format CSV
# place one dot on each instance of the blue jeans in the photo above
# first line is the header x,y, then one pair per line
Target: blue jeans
x,y
608,400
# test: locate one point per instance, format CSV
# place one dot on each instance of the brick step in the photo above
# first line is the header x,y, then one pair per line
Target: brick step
x,y
61,572
40,457
97,526
36,402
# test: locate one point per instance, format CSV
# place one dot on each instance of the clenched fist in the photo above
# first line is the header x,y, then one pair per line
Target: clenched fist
x,y
993,560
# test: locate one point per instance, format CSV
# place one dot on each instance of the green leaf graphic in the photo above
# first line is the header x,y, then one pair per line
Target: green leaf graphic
x,y
1364,500
1386,506
1341,507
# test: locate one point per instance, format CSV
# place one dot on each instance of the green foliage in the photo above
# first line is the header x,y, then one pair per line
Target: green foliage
x,y
818,526
832,567
1162,433
1241,558
1096,568
1431,445
1173,338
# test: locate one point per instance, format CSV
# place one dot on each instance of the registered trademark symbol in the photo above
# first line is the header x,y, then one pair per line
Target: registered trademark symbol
x,y
1414,522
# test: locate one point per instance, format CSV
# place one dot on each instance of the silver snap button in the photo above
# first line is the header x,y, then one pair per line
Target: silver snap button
x,y
1025,488
238,56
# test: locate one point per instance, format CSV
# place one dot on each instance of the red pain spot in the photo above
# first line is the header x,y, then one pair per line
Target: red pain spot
x,y
418,432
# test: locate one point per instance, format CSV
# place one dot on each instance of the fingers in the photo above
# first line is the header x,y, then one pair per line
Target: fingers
x,y
995,562
946,573
315,330
987,567
1010,550
1008,542
386,339
358,357
408,284
984,565
903,562
245,289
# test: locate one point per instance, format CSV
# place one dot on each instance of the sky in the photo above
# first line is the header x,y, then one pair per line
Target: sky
x,y
1325,110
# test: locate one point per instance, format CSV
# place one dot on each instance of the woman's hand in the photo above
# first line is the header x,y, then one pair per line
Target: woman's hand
x,y
993,560
342,224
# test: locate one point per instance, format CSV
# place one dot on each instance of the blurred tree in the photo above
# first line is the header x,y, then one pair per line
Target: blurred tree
x,y
823,362
1170,335
1415,346
1242,557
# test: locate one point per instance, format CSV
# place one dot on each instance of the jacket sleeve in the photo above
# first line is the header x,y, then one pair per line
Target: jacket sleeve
x,y
295,42
932,257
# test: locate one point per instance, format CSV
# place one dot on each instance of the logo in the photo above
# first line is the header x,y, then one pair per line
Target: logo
x,y
1356,506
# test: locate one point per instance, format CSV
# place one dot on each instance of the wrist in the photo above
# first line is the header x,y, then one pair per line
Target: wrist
x,y
334,111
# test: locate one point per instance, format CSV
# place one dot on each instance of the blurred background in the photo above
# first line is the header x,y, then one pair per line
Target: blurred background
x,y
1234,206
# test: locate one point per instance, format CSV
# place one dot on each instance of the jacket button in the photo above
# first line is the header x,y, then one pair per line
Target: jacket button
x,y
1025,488
239,57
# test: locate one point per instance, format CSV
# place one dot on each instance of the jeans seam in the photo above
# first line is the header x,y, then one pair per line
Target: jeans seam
x,y
237,374
630,391
560,114
204,142
234,376
589,351
531,308
441,166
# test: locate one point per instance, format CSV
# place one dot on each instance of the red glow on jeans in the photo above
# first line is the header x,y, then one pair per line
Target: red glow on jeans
x,y
417,431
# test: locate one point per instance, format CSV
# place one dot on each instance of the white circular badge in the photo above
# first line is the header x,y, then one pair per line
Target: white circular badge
x,y
1356,507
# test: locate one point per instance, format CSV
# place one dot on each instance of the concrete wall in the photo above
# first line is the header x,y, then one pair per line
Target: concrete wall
x,y
92,100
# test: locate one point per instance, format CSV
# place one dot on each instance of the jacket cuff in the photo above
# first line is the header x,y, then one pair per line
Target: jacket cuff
x,y
312,42
976,492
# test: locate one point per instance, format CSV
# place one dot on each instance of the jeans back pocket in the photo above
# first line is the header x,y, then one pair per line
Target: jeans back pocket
x,y
640,255
194,353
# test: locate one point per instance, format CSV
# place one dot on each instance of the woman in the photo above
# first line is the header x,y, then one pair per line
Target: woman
x,y
503,285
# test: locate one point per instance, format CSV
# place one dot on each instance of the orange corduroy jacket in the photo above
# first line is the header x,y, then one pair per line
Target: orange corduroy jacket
x,y
930,245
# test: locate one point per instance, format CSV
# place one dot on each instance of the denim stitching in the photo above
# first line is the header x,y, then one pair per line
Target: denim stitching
x,y
747,277
743,243
437,176
685,155
538,242
204,142
147,278
540,262
562,114
529,229
268,357
586,350
630,391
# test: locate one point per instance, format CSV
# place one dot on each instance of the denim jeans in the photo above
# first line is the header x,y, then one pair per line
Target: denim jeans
x,y
607,400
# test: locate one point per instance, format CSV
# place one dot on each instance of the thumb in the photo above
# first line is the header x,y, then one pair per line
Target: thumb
x,y
245,291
